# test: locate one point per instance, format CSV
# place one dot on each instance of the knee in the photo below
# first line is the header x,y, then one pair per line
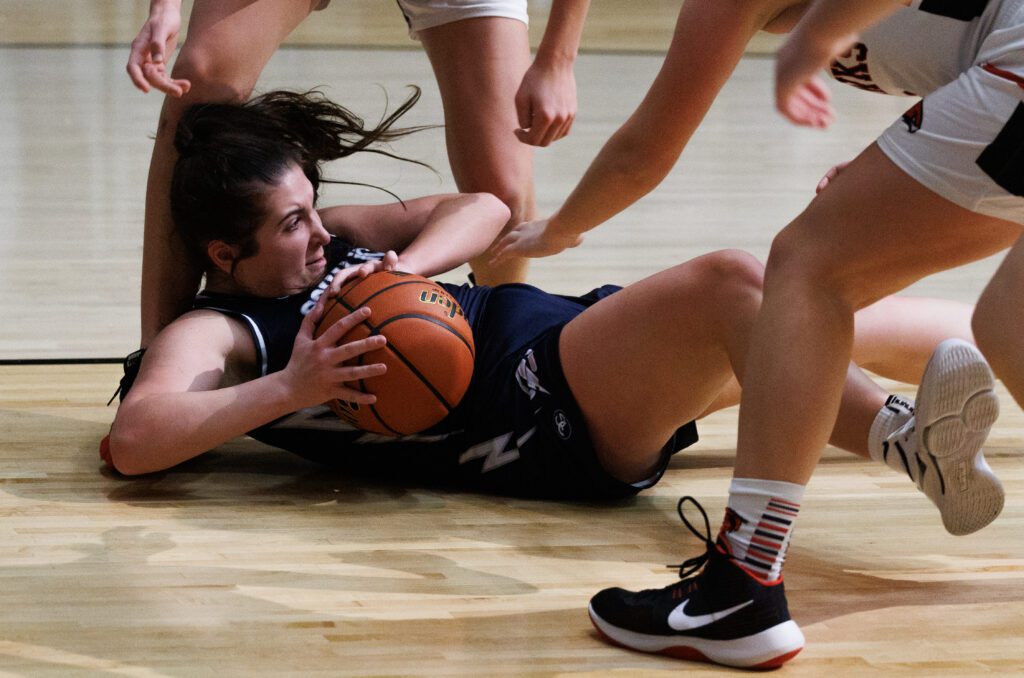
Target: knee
x,y
800,265
517,198
733,278
211,78
214,76
998,330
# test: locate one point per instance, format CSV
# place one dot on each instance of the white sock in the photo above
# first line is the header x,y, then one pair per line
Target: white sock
x,y
759,522
886,430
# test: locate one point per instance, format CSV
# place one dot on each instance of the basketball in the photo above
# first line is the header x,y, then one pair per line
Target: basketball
x,y
429,354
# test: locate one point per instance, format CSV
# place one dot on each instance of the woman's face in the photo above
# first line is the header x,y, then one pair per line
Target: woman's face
x,y
290,241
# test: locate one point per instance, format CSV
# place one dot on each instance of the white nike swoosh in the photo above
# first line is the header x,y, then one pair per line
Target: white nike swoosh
x,y
680,621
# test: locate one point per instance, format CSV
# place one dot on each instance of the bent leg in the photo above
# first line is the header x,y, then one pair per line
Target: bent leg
x,y
655,355
479,64
895,337
229,42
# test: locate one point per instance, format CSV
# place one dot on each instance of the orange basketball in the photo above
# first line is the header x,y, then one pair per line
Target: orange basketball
x,y
429,354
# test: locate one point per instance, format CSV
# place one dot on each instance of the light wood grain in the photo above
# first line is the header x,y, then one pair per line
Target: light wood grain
x,y
252,562
611,26
75,144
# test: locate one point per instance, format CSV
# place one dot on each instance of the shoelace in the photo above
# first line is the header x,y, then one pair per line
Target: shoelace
x,y
691,565
131,370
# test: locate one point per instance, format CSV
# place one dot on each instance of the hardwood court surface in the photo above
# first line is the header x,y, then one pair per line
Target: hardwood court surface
x,y
249,561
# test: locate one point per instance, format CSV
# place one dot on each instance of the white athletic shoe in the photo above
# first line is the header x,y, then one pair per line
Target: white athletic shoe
x,y
940,447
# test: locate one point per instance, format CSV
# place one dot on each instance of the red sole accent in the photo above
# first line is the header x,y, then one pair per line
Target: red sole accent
x,y
690,654
778,661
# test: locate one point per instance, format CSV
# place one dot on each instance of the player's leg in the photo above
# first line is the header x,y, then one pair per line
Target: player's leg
x,y
229,42
645,360
874,231
999,322
681,337
479,64
839,255
669,349
893,338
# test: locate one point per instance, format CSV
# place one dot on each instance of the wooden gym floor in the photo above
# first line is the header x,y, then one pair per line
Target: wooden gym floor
x,y
248,561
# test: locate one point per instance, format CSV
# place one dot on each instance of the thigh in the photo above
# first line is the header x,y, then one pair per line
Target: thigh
x,y
875,230
479,65
643,362
230,41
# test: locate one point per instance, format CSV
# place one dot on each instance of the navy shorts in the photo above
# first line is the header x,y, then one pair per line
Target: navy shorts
x,y
545,450
518,430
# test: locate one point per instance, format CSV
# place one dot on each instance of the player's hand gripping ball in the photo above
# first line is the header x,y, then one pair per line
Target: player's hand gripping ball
x,y
429,353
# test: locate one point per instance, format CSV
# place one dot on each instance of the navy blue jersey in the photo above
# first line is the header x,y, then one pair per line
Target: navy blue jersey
x,y
516,431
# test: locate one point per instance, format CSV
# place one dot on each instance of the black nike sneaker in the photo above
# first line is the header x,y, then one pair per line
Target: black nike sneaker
x,y
721,615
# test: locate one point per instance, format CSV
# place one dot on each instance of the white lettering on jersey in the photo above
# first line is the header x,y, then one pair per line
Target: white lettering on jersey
x,y
355,256
496,452
526,375
321,418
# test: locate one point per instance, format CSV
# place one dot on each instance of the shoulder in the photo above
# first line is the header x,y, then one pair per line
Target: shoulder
x,y
198,351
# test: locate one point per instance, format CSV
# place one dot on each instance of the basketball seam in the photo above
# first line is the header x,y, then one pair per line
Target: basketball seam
x,y
408,363
385,289
372,327
375,329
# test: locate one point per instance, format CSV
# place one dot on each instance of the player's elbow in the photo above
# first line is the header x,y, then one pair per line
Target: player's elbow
x,y
493,207
128,453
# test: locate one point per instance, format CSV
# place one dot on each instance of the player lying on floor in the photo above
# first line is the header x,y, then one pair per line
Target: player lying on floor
x,y
583,397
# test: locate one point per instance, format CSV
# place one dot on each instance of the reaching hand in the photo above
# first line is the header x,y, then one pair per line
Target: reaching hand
x,y
532,239
800,94
830,176
545,104
147,63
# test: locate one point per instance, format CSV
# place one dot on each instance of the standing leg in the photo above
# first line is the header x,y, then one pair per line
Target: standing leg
x,y
479,64
999,322
229,42
839,255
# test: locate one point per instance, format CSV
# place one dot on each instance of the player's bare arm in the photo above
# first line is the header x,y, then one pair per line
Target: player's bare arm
x,y
432,235
198,387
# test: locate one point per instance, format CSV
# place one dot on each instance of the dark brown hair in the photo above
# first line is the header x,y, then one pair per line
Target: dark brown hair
x,y
229,153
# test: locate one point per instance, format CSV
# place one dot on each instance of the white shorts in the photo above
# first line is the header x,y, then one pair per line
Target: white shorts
x,y
423,14
965,140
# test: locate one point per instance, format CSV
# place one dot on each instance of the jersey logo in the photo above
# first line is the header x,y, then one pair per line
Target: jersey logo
x,y
496,451
322,418
914,117
562,425
354,257
851,67
526,375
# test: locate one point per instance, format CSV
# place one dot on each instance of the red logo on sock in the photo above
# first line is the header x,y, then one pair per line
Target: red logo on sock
x,y
731,523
